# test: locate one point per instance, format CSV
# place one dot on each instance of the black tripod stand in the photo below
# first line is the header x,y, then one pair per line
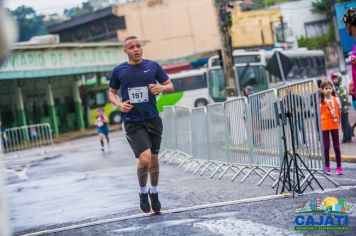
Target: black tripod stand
x,y
291,159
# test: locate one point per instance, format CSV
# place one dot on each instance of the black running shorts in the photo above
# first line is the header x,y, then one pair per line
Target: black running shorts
x,y
144,135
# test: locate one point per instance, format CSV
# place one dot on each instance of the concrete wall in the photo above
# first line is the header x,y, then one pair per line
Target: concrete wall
x,y
248,27
174,28
295,14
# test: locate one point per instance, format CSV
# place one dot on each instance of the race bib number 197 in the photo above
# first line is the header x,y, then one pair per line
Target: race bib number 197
x,y
138,94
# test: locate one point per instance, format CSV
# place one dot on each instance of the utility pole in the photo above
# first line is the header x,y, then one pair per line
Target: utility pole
x,y
224,19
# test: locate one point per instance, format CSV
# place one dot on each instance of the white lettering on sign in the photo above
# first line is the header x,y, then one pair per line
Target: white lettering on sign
x,y
22,60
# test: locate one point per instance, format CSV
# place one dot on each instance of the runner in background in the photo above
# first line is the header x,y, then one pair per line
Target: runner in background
x,y
341,93
103,129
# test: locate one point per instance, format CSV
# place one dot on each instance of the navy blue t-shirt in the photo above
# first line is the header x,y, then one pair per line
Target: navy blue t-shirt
x,y
129,77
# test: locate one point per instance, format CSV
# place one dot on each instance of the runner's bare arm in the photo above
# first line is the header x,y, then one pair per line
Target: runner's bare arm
x,y
106,120
166,87
114,99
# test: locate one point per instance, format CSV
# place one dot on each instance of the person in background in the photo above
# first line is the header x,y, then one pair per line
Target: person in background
x,y
103,129
3,136
330,107
248,91
349,20
341,93
256,119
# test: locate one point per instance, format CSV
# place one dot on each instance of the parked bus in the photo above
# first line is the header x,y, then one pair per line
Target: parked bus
x,y
190,89
95,97
250,69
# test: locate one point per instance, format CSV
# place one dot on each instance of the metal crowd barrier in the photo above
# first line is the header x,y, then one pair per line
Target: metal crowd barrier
x,y
200,139
265,148
169,128
237,130
169,136
217,132
26,137
218,145
242,134
302,101
200,133
183,129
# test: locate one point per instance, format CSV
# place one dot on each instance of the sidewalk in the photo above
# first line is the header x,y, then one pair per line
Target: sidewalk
x,y
80,134
348,150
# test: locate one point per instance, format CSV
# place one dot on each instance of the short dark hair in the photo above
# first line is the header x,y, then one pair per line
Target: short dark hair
x,y
129,38
350,16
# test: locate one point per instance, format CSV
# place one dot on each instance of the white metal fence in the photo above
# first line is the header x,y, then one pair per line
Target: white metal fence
x,y
242,135
26,137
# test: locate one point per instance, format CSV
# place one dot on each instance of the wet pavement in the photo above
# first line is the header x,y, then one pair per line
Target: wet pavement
x,y
79,184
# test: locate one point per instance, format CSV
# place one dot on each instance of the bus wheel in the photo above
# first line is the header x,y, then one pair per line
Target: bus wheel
x,y
115,118
200,102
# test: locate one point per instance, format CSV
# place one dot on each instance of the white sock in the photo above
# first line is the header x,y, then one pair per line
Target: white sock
x,y
154,189
143,190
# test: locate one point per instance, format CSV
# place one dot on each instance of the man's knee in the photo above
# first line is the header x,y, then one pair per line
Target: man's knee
x,y
145,157
154,161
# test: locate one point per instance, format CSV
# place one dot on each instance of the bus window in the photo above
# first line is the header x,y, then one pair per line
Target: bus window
x,y
309,66
314,68
321,61
302,72
97,99
217,89
178,85
321,65
254,76
302,62
189,83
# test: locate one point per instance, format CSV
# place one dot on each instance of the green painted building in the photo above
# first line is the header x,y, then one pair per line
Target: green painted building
x,y
40,83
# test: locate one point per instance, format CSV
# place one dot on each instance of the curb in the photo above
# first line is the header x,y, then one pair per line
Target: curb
x,y
344,158
82,134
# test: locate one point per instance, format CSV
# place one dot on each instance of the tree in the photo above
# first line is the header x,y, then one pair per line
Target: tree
x,y
29,23
78,11
325,7
259,4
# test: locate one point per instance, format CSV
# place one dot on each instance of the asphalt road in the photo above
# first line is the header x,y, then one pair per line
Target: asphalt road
x,y
80,185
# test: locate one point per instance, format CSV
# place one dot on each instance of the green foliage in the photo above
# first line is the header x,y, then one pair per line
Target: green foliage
x,y
325,6
320,42
78,11
272,2
259,4
322,7
29,23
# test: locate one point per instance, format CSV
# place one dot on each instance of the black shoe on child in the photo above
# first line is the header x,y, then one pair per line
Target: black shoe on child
x,y
144,203
155,204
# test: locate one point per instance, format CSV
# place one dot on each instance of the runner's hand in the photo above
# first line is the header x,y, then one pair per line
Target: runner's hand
x,y
155,88
125,106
